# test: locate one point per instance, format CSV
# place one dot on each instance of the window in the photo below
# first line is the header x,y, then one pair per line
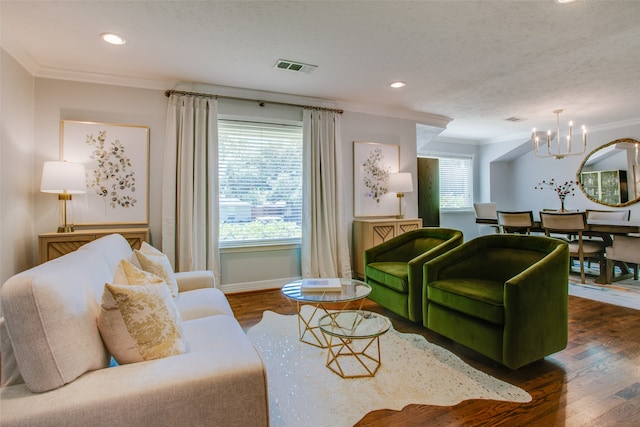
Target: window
x,y
260,180
456,182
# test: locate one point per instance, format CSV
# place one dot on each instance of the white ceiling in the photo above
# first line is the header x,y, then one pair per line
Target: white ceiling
x,y
477,62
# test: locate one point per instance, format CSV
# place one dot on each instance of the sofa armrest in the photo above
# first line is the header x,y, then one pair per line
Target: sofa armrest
x,y
190,280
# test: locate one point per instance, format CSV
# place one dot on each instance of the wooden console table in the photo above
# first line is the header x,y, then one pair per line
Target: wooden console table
x,y
53,245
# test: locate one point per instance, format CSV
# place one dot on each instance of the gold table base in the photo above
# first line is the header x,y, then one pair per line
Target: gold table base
x,y
354,358
308,329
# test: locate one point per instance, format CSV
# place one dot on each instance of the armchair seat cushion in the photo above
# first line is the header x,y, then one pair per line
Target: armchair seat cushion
x,y
393,275
482,299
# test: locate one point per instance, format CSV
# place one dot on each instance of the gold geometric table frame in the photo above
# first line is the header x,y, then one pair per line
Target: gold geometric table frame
x,y
367,358
308,329
353,342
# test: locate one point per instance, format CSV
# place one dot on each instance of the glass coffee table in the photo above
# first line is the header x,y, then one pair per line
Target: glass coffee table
x,y
308,330
353,342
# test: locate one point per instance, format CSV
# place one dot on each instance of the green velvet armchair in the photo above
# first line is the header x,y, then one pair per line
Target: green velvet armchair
x,y
394,269
503,296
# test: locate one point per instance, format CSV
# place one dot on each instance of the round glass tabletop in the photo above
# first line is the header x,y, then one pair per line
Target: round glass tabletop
x,y
354,324
352,290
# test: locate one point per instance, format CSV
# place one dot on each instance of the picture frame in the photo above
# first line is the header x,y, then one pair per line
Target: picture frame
x,y
116,160
372,164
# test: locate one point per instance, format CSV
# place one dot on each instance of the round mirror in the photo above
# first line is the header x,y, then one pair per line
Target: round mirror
x,y
610,174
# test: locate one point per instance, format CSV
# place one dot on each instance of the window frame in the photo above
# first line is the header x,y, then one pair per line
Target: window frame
x,y
256,244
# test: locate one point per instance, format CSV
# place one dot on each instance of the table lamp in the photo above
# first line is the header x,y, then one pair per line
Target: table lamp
x,y
63,179
400,183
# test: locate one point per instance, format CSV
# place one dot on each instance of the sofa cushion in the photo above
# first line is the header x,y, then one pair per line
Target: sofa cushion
x,y
483,299
202,303
154,261
394,275
140,322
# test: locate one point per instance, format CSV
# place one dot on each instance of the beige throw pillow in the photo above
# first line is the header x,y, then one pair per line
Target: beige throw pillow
x,y
154,261
140,322
128,274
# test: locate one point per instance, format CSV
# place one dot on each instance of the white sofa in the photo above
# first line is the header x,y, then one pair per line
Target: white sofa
x,y
55,367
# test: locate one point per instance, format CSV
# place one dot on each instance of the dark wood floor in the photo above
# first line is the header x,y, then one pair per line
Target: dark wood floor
x,y
594,382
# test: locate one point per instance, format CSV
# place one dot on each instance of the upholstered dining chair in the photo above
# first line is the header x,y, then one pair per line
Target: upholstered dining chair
x,y
574,223
486,211
515,222
504,296
625,249
609,215
394,271
613,215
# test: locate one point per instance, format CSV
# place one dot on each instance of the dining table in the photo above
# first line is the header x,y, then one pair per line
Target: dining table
x,y
603,228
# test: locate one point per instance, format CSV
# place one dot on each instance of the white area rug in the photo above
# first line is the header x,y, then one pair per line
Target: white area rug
x,y
304,392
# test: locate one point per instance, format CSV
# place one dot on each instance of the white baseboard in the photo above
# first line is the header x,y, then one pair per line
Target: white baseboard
x,y
256,286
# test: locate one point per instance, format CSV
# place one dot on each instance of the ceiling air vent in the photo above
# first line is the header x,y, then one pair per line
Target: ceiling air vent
x,y
284,64
515,119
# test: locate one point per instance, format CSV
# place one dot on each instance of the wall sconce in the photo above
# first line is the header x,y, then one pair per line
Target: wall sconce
x,y
400,183
63,179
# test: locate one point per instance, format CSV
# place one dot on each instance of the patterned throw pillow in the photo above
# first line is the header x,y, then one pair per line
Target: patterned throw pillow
x,y
140,322
154,261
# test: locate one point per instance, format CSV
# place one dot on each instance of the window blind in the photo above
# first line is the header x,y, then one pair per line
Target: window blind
x,y
260,181
456,182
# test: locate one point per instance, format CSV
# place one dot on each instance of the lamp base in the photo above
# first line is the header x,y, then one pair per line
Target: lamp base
x,y
400,196
65,229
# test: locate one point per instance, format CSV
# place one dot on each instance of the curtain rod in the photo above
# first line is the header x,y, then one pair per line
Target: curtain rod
x,y
260,102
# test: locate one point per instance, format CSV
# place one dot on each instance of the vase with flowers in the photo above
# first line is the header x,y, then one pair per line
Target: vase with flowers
x,y
562,190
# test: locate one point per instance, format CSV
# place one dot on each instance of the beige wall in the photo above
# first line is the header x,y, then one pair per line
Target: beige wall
x,y
17,236
56,100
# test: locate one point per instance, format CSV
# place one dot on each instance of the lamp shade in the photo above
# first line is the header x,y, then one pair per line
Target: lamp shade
x,y
400,182
63,177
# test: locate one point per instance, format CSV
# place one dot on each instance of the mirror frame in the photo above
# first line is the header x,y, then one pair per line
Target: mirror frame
x,y
584,161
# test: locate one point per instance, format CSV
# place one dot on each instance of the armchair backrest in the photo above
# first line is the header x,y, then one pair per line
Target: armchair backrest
x,y
412,244
496,257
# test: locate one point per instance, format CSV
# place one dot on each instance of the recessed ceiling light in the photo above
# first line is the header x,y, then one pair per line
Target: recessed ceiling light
x,y
565,1
113,38
397,84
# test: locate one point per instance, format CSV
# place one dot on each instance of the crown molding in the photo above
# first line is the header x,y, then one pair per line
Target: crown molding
x,y
428,119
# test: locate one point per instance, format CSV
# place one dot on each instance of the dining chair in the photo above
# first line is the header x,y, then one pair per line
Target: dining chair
x,y
515,222
617,215
610,215
486,211
574,223
625,249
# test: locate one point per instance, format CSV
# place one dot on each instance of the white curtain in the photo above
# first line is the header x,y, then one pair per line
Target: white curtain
x,y
325,248
190,231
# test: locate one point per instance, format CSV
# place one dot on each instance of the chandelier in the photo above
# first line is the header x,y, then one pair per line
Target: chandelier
x,y
555,147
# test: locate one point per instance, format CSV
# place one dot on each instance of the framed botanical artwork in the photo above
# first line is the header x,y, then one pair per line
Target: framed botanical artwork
x,y
372,164
116,160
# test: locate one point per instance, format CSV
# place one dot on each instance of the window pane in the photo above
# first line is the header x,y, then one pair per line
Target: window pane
x,y
456,182
260,179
